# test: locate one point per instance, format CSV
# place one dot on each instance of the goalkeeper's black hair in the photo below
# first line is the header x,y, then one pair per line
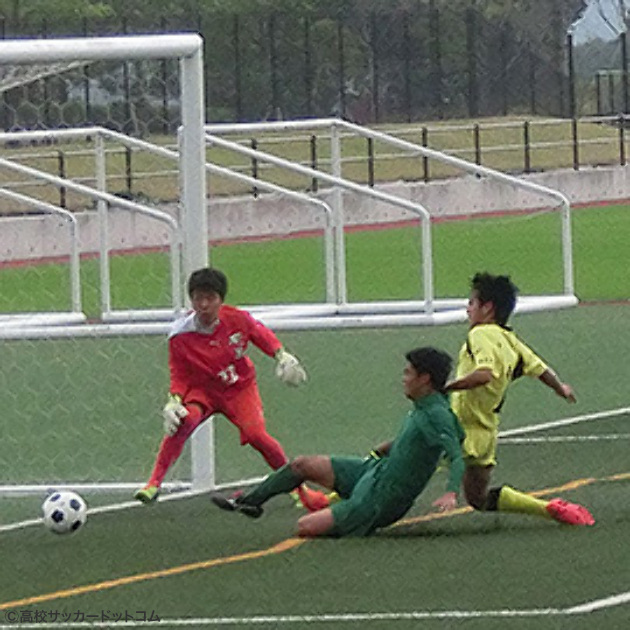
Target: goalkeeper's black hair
x,y
208,279
496,289
436,363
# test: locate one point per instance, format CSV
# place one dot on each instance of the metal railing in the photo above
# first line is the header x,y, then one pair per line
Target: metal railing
x,y
517,147
104,201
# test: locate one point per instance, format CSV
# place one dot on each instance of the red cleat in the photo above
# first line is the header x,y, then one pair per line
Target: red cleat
x,y
570,513
312,500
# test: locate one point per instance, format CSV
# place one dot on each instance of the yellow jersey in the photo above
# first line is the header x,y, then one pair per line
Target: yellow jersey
x,y
497,348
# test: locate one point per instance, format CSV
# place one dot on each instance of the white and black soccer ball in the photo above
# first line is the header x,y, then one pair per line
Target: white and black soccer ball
x,y
64,512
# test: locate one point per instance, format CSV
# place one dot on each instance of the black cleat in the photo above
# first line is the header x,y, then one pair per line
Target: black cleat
x,y
253,511
223,502
234,505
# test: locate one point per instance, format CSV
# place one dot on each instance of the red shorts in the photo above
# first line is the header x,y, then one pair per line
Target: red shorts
x,y
243,409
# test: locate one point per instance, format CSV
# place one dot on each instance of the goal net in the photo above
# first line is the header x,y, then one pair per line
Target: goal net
x,y
311,263
21,76
95,219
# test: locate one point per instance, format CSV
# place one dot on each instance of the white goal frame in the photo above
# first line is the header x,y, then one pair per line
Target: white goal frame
x,y
430,310
188,49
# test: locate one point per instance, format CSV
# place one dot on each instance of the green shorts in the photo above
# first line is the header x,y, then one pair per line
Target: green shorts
x,y
362,509
348,471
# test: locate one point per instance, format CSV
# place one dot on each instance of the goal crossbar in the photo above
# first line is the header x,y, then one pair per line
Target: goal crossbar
x,y
84,49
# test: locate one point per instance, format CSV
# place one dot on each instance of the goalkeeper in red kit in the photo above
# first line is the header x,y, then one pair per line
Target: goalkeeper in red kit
x,y
211,373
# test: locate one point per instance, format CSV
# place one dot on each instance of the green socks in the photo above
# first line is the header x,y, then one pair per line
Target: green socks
x,y
278,482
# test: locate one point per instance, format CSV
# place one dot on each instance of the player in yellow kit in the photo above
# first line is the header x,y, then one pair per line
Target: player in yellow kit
x,y
490,359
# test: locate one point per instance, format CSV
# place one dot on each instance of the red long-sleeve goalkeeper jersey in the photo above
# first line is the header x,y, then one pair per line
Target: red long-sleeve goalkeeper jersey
x,y
213,360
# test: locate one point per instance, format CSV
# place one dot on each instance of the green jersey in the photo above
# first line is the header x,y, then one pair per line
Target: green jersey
x,y
429,431
377,493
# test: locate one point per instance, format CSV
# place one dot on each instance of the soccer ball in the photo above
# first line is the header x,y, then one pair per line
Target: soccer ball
x,y
64,512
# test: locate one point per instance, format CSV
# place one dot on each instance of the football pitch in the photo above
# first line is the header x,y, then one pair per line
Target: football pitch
x,y
190,565
77,406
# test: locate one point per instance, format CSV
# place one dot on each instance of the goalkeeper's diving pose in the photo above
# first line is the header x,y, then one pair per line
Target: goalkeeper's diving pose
x,y
378,490
211,373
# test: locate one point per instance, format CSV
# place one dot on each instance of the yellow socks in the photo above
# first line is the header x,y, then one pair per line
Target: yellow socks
x,y
511,500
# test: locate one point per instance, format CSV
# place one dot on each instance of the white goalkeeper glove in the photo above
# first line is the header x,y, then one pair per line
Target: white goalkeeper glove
x,y
173,413
288,368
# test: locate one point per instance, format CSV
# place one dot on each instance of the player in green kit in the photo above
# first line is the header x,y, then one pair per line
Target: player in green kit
x,y
378,490
490,359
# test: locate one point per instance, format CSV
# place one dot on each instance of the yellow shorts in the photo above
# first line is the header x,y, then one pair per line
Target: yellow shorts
x,y
480,446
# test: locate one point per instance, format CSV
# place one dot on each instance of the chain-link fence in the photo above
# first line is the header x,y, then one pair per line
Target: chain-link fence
x,y
407,62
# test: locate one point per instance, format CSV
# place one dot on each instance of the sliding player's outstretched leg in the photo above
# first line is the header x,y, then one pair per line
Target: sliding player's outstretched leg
x,y
273,454
231,504
316,468
280,481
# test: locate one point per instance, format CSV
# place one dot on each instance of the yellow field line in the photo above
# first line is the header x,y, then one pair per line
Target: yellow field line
x,y
285,545
571,485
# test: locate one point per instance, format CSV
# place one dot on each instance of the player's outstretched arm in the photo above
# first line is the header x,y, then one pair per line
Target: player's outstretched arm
x,y
453,451
470,381
288,368
551,380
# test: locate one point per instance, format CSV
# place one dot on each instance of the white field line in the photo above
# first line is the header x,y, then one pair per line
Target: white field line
x,y
532,428
275,620
566,438
599,604
116,507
